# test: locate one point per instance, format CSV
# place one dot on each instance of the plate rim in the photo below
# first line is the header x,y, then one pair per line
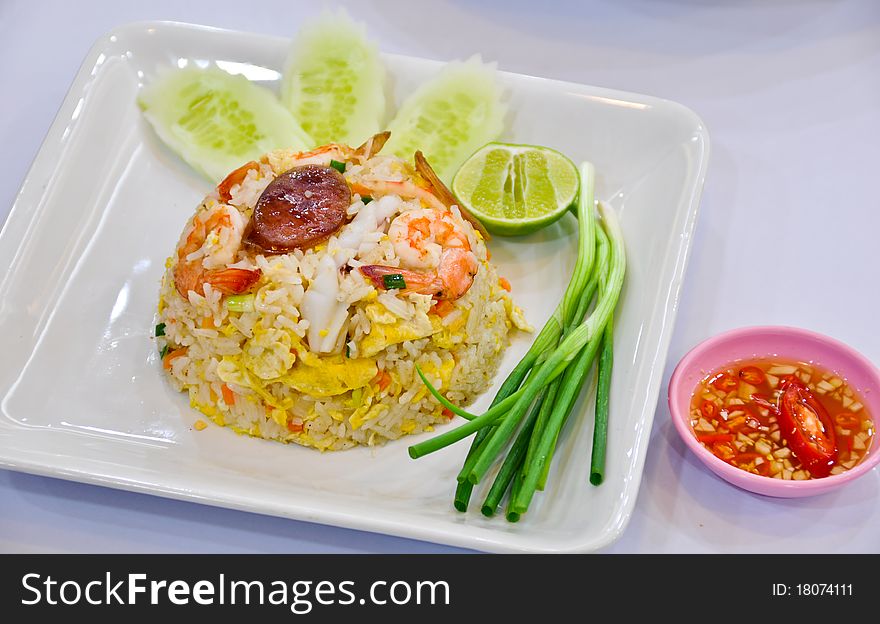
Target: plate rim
x,y
22,216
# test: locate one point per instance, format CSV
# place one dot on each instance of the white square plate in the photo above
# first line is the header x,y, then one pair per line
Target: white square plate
x,y
83,395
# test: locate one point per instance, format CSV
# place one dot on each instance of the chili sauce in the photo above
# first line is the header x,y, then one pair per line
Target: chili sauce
x,y
781,419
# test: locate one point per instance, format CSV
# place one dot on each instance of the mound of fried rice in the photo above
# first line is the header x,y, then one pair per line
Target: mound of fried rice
x,y
254,372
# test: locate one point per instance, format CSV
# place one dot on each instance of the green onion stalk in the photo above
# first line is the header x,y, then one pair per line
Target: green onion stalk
x,y
546,339
581,346
537,397
600,431
549,334
583,304
575,376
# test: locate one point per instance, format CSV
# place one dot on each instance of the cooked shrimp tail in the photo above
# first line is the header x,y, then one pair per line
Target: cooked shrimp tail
x,y
442,192
413,281
373,145
236,177
232,281
451,280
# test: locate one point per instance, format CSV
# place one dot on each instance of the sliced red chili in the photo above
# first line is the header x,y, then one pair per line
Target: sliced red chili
x,y
752,375
723,450
725,382
710,438
806,426
747,458
788,380
710,410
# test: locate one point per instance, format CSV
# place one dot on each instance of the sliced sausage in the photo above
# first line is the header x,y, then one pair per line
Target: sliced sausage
x,y
299,209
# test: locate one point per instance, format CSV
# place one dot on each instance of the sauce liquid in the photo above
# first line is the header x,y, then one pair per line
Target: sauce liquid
x,y
743,431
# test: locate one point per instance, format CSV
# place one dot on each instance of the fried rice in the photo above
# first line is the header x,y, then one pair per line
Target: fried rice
x,y
254,366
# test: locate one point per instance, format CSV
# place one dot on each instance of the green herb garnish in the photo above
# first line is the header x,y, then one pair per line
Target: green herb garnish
x,y
163,352
366,199
240,303
395,280
339,166
160,329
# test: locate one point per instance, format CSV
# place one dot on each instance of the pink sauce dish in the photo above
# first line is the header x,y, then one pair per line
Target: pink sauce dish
x,y
735,350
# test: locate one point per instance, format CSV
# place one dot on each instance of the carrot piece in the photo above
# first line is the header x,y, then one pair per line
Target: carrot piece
x,y
360,189
207,322
448,413
383,380
294,427
502,281
228,394
171,356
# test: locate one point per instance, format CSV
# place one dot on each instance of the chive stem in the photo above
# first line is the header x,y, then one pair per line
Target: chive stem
x,y
569,348
460,433
513,460
573,381
497,440
465,488
600,431
516,486
537,397
240,303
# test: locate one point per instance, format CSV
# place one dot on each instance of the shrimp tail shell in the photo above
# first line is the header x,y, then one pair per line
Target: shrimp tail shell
x,y
233,281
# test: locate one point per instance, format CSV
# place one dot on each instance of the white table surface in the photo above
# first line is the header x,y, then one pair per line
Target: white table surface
x,y
790,92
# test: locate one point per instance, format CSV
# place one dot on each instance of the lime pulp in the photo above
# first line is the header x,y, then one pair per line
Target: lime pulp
x,y
516,189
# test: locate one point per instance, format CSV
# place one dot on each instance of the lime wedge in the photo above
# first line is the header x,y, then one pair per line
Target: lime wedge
x,y
516,189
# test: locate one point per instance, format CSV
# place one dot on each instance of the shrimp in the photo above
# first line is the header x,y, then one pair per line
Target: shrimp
x,y
442,192
436,252
339,152
431,192
224,189
451,279
318,156
403,189
206,249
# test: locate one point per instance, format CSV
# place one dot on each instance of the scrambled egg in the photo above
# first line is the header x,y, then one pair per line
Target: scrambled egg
x,y
362,415
280,160
269,354
329,376
516,315
444,373
387,329
450,335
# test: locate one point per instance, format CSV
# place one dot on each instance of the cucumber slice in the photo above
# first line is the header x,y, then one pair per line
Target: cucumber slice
x,y
334,83
216,121
450,117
